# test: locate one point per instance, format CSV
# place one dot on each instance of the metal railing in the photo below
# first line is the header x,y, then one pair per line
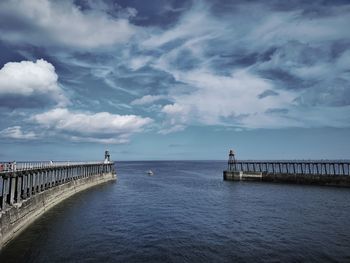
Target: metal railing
x,y
336,168
19,181
22,166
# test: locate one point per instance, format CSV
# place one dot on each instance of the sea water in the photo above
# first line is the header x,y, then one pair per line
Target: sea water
x,y
185,212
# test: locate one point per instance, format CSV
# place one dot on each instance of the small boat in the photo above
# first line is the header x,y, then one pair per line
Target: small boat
x,y
150,172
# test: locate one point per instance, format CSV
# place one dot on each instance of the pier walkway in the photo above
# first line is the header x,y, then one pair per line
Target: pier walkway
x,y
19,181
28,189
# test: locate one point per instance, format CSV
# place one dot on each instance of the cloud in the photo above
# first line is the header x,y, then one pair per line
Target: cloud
x,y
212,64
92,127
119,140
223,100
52,23
16,132
139,62
148,99
171,129
274,71
191,25
267,93
30,84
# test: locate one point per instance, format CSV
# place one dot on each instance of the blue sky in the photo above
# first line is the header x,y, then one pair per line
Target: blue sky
x,y
168,79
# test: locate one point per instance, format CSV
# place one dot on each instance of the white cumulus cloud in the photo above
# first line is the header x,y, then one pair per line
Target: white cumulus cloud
x,y
31,79
92,127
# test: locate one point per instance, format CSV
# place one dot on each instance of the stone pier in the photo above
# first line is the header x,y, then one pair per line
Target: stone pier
x,y
27,190
332,173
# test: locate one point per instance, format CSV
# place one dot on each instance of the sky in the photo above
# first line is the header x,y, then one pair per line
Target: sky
x,y
174,79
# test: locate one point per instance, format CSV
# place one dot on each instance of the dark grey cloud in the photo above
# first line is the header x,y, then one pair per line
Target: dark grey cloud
x,y
60,24
314,8
9,53
34,101
267,93
277,111
161,13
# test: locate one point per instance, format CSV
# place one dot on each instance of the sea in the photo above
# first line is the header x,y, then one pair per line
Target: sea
x,y
185,212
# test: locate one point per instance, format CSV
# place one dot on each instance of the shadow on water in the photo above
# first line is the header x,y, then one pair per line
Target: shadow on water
x,y
187,213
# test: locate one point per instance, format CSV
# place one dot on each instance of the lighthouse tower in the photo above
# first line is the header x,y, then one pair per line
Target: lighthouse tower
x,y
107,157
231,161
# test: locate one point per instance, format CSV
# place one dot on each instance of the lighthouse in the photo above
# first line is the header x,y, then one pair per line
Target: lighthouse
x,y
231,161
107,157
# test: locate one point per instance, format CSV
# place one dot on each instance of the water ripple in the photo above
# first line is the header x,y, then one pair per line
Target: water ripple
x,y
187,213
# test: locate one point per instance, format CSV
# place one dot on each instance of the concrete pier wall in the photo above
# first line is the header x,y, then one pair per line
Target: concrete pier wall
x,y
242,176
25,197
329,180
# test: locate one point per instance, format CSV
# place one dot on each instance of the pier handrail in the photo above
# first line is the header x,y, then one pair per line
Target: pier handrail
x,y
305,167
29,178
27,189
6,167
294,161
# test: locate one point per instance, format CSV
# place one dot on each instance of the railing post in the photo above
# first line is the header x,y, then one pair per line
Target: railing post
x,y
24,185
4,192
42,186
50,177
312,168
12,189
39,181
29,184
19,188
36,181
33,182
58,172
54,176
45,179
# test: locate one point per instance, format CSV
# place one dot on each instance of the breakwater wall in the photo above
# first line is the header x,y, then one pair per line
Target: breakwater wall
x,y
28,190
332,173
